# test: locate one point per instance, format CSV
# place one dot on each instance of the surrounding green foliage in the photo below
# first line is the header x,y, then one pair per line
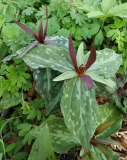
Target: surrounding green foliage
x,y
67,83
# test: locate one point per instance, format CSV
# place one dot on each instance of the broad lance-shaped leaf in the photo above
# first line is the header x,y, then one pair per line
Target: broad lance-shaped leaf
x,y
49,90
103,90
61,138
55,57
109,114
106,65
42,148
59,41
79,110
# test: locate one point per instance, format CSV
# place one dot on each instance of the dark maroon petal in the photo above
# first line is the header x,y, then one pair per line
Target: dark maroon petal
x,y
27,49
72,53
49,42
40,32
25,28
91,58
46,23
87,80
121,91
125,86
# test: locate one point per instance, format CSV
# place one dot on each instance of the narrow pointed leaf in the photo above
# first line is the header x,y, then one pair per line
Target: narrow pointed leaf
x,y
66,75
98,78
80,55
87,80
27,49
40,32
80,112
103,149
45,31
25,28
49,42
72,53
103,152
102,127
101,140
92,57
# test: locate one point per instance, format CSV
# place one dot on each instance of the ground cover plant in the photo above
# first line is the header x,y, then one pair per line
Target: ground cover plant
x,y
57,56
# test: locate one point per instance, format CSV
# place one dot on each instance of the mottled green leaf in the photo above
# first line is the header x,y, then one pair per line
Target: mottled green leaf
x,y
107,62
8,58
98,78
50,91
103,90
61,138
79,111
10,102
55,57
108,114
116,100
60,41
42,148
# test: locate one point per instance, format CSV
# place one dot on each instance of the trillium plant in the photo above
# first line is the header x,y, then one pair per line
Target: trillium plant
x,y
80,68
40,36
118,91
81,78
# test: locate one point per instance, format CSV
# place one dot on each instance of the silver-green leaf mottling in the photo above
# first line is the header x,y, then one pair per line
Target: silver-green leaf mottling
x,y
80,110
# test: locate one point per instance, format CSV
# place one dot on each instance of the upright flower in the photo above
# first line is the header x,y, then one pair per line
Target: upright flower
x,y
40,36
98,142
79,70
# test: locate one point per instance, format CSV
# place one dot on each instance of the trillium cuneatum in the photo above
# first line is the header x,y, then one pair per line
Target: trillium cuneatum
x,y
98,142
79,67
40,37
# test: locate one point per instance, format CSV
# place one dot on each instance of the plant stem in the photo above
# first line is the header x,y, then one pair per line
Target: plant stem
x,y
103,22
